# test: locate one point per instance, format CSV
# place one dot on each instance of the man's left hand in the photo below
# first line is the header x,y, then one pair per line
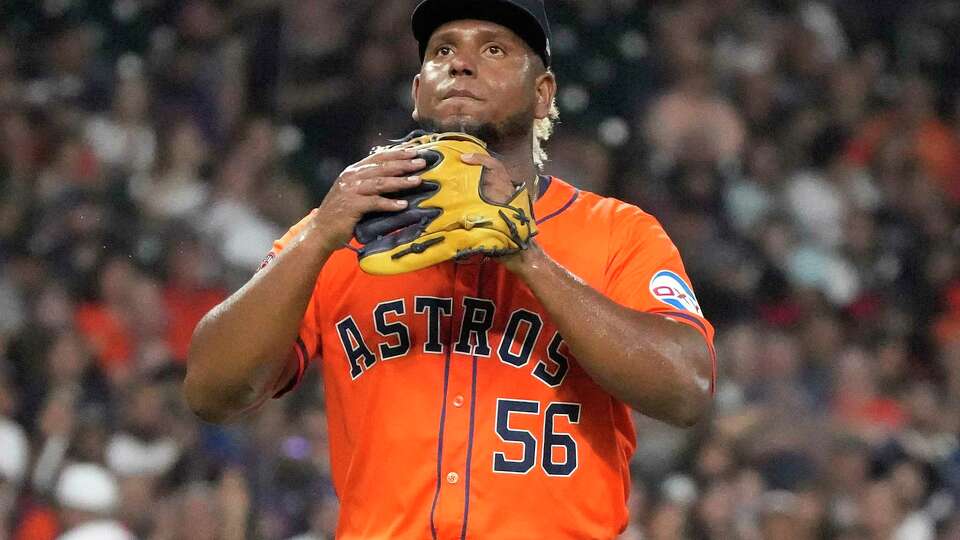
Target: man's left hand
x,y
499,187
496,184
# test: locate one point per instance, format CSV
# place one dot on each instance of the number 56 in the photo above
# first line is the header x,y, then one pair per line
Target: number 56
x,y
551,439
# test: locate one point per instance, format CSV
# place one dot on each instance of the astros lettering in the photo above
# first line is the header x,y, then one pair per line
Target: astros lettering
x,y
458,370
514,347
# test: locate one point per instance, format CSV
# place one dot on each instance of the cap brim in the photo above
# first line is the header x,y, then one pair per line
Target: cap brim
x,y
432,14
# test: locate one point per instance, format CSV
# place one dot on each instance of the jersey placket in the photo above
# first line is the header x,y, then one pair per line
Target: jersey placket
x,y
451,513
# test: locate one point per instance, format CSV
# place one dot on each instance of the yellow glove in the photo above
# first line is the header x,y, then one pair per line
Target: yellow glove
x,y
448,216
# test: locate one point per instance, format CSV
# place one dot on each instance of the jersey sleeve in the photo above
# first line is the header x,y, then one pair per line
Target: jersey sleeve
x,y
307,344
645,273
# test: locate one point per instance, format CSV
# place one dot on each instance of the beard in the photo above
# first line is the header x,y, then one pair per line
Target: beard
x,y
497,135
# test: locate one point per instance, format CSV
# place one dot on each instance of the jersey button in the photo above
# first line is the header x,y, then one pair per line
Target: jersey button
x,y
453,478
458,401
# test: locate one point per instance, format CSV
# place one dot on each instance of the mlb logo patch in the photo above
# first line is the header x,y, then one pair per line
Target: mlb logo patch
x,y
672,290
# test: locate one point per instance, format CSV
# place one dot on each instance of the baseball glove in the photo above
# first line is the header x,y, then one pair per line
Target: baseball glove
x,y
448,216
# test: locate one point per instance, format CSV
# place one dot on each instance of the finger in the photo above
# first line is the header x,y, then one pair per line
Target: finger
x,y
380,157
401,167
390,155
376,186
376,203
489,162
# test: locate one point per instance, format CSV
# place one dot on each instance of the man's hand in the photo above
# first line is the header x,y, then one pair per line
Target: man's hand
x,y
360,189
497,184
500,188
463,206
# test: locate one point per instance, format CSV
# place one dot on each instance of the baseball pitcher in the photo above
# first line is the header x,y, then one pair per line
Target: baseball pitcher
x,y
483,328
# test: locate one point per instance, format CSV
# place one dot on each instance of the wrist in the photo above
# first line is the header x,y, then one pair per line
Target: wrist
x,y
526,263
323,240
326,244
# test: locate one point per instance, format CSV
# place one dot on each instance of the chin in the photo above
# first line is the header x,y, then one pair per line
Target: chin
x,y
480,126
463,110
467,123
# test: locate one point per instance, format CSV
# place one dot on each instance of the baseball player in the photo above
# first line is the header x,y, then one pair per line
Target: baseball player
x,y
483,397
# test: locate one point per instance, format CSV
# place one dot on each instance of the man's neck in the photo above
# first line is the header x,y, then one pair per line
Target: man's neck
x,y
517,157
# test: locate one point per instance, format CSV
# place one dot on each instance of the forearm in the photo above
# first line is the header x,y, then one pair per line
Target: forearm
x,y
659,367
241,347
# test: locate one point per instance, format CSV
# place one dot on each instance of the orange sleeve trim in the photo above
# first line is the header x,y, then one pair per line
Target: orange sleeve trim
x,y
303,358
302,361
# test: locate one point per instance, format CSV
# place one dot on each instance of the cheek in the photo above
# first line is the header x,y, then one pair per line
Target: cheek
x,y
430,79
512,92
511,97
500,86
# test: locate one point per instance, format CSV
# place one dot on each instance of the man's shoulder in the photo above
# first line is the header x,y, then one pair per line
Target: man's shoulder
x,y
594,206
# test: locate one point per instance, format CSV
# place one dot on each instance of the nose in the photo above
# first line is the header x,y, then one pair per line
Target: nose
x,y
462,65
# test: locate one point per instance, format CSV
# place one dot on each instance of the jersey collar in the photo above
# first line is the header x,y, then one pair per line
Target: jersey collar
x,y
555,196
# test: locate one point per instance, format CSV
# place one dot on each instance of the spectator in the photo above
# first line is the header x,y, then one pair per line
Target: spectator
x,y
914,125
144,447
177,189
125,141
88,496
13,467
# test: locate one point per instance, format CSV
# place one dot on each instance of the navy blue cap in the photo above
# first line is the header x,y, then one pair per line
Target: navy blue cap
x,y
528,18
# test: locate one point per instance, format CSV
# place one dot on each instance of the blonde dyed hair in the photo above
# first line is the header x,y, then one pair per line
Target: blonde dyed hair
x,y
542,131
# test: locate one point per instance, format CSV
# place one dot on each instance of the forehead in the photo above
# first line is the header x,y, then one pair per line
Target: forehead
x,y
474,28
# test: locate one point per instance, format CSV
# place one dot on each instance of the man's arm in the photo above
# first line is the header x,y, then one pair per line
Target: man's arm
x,y
659,367
240,349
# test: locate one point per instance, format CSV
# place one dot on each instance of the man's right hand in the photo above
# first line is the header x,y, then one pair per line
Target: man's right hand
x,y
359,190
257,340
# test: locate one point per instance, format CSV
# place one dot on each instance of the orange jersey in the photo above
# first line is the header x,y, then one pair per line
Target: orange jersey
x,y
455,408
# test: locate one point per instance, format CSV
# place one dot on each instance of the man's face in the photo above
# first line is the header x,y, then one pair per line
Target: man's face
x,y
481,78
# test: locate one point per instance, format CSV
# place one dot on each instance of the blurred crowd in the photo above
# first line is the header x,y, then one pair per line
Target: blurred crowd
x,y
803,154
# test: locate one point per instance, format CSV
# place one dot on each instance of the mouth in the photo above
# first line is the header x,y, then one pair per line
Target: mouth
x,y
460,94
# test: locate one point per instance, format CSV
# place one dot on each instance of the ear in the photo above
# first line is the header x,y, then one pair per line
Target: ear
x,y
546,87
415,93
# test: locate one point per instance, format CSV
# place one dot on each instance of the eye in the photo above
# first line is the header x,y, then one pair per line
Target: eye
x,y
495,50
444,50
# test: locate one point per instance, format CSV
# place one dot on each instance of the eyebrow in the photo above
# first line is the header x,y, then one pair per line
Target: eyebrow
x,y
484,32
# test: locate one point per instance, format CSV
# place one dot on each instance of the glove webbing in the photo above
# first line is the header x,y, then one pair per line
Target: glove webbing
x,y
514,233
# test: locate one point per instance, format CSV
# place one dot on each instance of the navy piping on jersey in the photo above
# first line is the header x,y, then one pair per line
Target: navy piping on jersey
x,y
573,199
700,325
545,181
304,357
443,418
301,348
710,347
473,410
466,483
686,317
